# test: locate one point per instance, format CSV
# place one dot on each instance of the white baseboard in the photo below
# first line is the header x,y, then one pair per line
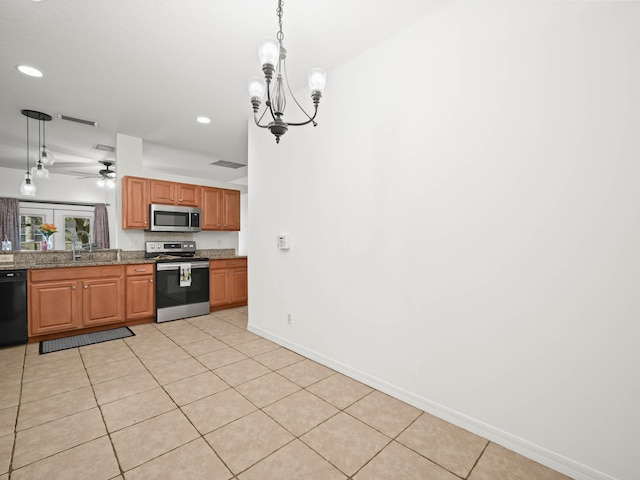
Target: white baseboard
x,y
550,459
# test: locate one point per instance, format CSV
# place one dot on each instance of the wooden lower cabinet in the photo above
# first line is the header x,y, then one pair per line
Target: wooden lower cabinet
x,y
99,306
64,299
228,283
141,291
53,307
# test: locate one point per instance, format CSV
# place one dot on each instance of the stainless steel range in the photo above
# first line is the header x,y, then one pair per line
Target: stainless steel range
x,y
182,280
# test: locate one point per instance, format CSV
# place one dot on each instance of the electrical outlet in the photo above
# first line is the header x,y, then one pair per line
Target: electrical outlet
x,y
289,319
6,258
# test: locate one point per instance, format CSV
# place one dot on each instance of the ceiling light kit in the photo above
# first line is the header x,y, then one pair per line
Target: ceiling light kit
x,y
106,176
31,71
27,187
273,59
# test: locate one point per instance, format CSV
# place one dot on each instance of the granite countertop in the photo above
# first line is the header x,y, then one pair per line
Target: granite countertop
x,y
60,258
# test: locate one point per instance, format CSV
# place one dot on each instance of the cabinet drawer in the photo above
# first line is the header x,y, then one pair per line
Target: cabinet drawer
x,y
140,269
74,273
232,262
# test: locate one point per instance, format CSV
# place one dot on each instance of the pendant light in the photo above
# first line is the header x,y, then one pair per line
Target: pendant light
x,y
39,170
27,187
45,154
273,59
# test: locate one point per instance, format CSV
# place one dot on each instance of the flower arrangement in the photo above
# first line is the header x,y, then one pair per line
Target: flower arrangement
x,y
48,229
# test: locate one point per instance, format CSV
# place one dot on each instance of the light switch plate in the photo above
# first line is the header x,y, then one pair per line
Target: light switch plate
x,y
6,258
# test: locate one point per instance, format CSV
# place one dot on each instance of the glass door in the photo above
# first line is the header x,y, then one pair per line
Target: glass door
x,y
30,221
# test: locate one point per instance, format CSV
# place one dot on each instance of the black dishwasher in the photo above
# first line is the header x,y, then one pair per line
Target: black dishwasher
x,y
13,307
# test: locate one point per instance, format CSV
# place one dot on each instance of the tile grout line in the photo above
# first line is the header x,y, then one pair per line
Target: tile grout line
x,y
15,426
95,397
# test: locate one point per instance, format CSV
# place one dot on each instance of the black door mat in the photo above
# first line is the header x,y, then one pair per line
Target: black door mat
x,y
49,346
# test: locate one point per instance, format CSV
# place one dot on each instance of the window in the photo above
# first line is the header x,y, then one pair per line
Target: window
x,y
76,223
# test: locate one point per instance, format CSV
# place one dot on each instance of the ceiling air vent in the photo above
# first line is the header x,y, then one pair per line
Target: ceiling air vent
x,y
225,164
104,148
78,120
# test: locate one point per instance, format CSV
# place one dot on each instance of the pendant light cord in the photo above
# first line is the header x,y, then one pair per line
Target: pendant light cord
x,y
27,144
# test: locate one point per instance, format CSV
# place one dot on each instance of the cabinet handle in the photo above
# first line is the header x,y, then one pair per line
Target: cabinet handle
x,y
141,269
145,223
73,287
86,286
151,281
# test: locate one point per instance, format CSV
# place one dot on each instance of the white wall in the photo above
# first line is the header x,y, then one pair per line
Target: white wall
x,y
61,188
464,226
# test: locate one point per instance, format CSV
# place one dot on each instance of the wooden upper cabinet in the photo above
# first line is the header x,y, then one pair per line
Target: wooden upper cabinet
x,y
162,192
135,202
231,217
188,195
220,209
212,205
171,193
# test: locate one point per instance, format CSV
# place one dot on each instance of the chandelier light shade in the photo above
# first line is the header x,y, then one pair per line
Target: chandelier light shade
x,y
273,55
39,171
27,187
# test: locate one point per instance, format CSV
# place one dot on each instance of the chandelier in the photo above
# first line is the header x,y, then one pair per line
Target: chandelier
x,y
27,187
273,59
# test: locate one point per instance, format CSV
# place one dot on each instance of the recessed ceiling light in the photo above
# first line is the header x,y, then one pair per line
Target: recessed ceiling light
x,y
203,120
27,70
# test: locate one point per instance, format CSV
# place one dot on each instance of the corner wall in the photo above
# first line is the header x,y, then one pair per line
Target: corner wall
x,y
464,226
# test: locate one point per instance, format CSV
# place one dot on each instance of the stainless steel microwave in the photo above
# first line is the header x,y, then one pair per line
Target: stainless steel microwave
x,y
170,218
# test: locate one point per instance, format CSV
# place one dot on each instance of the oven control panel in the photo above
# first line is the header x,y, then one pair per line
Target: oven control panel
x,y
169,248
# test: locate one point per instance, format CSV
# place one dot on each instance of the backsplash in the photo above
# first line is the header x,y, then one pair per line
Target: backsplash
x,y
26,259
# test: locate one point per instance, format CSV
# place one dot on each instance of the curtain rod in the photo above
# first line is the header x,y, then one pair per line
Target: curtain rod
x,y
55,202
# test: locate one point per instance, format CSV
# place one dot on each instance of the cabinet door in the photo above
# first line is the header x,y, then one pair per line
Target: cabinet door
x,y
238,285
53,307
188,195
212,204
218,287
102,301
231,210
135,203
163,192
140,297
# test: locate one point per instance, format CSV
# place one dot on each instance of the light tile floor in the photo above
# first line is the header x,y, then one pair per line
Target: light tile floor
x,y
203,398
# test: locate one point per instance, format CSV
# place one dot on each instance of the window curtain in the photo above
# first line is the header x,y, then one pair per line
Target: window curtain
x,y
10,221
101,226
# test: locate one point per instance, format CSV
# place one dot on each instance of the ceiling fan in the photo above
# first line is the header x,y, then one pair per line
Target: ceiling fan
x,y
106,177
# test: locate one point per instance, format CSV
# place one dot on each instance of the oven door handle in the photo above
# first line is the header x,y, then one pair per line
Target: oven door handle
x,y
176,266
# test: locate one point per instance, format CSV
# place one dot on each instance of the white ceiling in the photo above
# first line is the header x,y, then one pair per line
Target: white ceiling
x,y
148,68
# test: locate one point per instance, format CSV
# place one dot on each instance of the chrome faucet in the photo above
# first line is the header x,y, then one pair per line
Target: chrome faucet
x,y
74,240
